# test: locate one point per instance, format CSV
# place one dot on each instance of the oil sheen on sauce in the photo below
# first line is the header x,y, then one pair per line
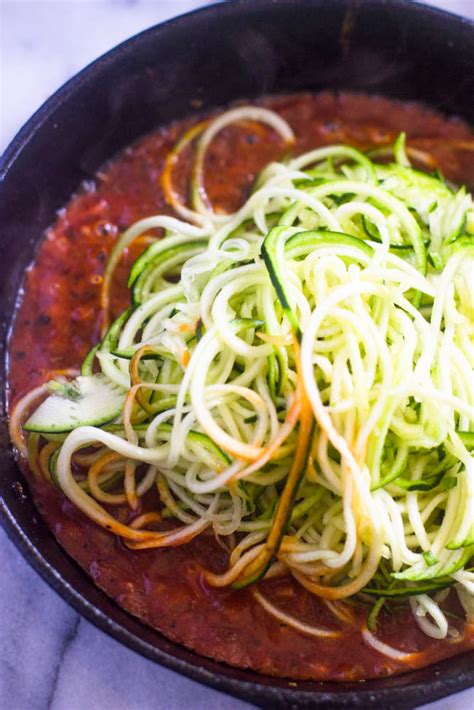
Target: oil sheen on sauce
x,y
59,319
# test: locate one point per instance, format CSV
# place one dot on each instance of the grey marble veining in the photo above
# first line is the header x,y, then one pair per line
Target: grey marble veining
x,y
50,658
35,628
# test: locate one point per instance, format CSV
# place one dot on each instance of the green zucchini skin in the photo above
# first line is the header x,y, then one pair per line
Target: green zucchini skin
x,y
155,259
406,592
90,400
467,438
111,338
203,440
298,244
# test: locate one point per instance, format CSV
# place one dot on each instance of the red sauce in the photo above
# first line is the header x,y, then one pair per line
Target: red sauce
x,y
58,320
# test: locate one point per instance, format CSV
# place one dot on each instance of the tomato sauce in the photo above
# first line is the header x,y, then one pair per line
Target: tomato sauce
x,y
58,320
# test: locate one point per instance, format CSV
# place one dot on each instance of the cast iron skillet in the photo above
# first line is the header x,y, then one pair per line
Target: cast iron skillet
x,y
207,58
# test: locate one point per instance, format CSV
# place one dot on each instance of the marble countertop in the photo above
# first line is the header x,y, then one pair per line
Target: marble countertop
x,y
49,656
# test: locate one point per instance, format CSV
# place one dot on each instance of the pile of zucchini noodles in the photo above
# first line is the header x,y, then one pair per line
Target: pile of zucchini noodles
x,y
295,378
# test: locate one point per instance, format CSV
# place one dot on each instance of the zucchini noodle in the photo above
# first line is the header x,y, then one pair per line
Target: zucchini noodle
x,y
296,377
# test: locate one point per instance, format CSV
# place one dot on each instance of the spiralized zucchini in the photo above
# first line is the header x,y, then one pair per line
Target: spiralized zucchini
x,y
297,377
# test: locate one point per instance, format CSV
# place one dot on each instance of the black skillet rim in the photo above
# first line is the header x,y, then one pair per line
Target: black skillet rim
x,y
399,692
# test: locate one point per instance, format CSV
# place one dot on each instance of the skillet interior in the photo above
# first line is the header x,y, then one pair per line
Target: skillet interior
x,y
234,50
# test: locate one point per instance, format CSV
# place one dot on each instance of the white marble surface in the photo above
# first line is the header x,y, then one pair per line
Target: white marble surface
x,y
49,656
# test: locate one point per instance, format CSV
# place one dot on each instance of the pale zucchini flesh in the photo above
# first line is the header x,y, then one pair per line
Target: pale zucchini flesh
x,y
89,400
